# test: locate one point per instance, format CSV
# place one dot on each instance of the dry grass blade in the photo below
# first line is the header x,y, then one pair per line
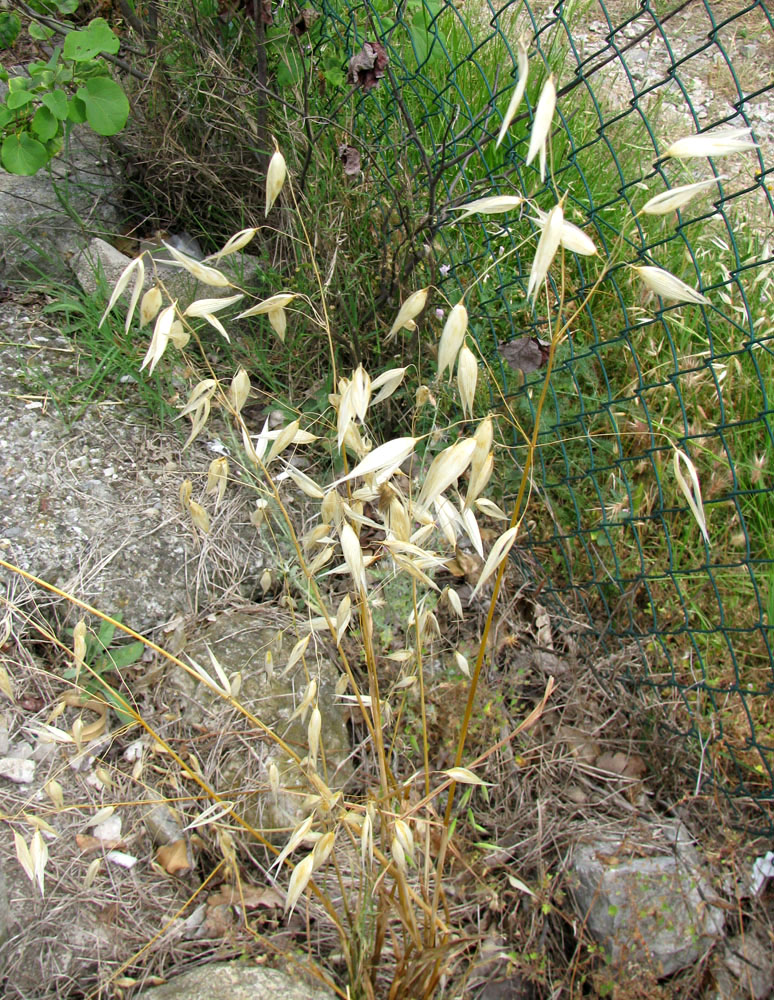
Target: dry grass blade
x,y
207,275
675,198
692,492
518,93
500,550
121,285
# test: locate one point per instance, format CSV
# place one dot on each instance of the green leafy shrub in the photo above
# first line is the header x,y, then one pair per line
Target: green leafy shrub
x,y
73,86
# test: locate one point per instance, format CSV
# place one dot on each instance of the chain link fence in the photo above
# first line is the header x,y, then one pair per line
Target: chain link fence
x,y
609,536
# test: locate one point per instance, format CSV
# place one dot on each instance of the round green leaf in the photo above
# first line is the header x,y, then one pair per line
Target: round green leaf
x,y
21,154
18,98
76,110
56,102
44,124
39,32
10,26
106,105
89,42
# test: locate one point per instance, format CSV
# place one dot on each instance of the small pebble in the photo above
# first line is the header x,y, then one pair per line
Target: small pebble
x,y
18,770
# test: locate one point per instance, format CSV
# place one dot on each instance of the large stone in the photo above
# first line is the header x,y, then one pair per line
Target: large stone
x,y
100,261
240,641
744,968
236,981
643,892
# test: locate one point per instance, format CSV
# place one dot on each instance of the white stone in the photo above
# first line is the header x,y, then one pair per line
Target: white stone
x,y
18,770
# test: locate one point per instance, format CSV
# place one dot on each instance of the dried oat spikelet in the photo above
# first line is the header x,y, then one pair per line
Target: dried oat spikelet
x,y
313,735
495,204
410,309
446,468
299,880
150,305
452,338
677,197
718,143
548,244
217,478
467,376
667,286
239,390
275,179
541,126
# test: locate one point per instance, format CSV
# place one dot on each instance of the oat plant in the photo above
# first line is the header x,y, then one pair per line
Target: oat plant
x,y
372,856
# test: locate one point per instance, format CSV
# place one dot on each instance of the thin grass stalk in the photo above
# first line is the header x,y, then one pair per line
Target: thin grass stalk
x,y
320,285
420,674
515,518
373,685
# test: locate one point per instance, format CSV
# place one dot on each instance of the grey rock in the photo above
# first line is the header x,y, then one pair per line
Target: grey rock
x,y
51,960
240,642
47,218
161,824
101,261
18,770
236,981
642,891
744,968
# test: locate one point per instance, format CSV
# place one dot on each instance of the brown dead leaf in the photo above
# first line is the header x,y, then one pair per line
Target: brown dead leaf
x,y
251,897
219,921
304,21
470,565
88,844
620,763
174,857
350,159
580,744
526,353
368,66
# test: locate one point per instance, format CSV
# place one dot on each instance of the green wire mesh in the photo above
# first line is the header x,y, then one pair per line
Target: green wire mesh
x,y
609,536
